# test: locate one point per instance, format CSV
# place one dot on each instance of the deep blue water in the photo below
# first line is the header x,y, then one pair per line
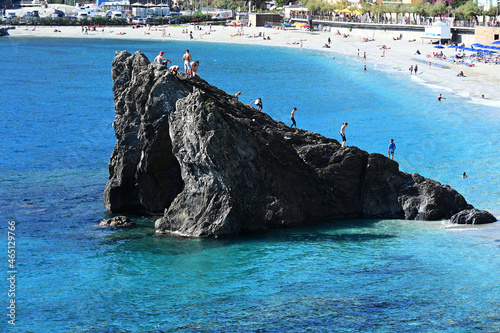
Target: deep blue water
x,y
342,276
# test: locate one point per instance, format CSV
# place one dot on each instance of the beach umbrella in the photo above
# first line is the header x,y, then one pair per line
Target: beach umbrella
x,y
345,10
357,12
496,42
477,45
439,47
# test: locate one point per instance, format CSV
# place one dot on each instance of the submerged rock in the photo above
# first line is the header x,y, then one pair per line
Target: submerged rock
x,y
118,222
213,166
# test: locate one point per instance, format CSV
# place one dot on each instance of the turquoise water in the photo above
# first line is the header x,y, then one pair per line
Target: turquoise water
x,y
351,276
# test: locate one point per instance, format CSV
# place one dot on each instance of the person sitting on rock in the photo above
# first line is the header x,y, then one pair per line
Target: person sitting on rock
x,y
161,60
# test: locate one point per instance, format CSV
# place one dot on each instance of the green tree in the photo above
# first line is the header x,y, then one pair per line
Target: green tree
x,y
469,10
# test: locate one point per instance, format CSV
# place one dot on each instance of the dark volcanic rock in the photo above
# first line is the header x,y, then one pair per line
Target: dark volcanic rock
x,y
213,166
118,222
473,216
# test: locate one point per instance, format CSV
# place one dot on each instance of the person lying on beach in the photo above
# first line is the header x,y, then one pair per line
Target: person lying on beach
x,y
345,35
367,40
411,40
396,38
338,33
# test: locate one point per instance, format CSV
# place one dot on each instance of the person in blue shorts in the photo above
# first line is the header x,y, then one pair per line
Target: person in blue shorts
x,y
392,148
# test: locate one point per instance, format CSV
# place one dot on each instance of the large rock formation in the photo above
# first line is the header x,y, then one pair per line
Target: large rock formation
x,y
213,166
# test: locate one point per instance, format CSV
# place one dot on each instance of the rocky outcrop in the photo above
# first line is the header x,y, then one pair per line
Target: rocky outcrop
x,y
473,216
212,166
119,222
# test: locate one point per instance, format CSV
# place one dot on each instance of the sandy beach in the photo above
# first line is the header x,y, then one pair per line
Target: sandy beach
x,y
481,79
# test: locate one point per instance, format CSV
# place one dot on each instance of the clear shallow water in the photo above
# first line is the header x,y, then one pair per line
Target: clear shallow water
x,y
369,276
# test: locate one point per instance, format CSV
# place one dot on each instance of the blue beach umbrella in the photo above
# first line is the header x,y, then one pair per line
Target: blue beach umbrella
x,y
477,45
496,42
439,47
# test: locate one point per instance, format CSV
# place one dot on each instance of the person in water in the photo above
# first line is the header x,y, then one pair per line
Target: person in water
x,y
292,117
464,175
342,134
392,148
258,104
440,97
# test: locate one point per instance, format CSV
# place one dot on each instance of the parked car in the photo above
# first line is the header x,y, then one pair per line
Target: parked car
x,y
137,20
150,21
177,20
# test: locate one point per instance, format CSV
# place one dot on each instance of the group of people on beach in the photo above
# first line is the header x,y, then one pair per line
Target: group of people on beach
x,y
190,67
413,69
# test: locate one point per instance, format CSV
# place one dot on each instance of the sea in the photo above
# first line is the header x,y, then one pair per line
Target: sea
x,y
63,273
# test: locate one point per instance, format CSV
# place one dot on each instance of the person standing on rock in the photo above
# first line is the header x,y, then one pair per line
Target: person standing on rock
x,y
342,133
187,62
292,117
392,148
235,96
258,103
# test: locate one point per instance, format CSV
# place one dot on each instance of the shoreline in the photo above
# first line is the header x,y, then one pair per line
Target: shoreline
x,y
482,79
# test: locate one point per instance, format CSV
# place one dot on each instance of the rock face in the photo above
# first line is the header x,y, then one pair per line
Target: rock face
x,y
213,166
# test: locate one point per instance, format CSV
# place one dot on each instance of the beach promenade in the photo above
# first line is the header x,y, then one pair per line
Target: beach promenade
x,y
480,80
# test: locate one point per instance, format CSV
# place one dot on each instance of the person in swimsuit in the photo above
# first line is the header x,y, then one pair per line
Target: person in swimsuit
x,y
292,117
342,134
440,97
161,60
194,68
235,96
392,148
258,103
174,69
187,62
